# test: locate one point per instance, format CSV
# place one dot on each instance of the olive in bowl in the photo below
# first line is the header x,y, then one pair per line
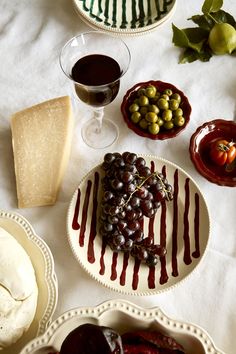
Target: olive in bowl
x,y
156,110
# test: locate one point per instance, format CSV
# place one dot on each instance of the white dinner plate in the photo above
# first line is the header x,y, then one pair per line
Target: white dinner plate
x,y
124,17
43,264
123,316
182,226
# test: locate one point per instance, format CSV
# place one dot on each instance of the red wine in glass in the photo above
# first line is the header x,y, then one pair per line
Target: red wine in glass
x,y
98,81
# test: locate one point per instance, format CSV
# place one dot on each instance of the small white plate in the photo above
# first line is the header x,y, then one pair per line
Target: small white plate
x,y
43,264
122,316
182,226
125,17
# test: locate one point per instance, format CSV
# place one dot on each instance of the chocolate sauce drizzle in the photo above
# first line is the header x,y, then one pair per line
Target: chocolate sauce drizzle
x,y
110,259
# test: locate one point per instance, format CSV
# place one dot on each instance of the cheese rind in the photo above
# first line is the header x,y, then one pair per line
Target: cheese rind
x,y
41,138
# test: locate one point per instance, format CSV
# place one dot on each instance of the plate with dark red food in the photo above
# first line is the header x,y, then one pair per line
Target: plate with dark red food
x,y
213,151
138,224
120,327
156,110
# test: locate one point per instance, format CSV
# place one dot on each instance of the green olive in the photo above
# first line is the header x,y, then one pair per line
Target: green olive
x,y
135,117
154,128
178,112
160,121
141,91
174,104
167,115
179,121
155,98
176,97
143,110
153,108
168,92
143,100
150,91
151,117
143,123
162,103
165,96
133,107
168,125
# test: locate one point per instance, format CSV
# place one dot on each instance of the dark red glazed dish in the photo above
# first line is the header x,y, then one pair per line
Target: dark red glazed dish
x,y
161,86
199,151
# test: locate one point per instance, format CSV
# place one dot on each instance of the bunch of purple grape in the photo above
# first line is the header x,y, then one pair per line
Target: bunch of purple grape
x,y
131,191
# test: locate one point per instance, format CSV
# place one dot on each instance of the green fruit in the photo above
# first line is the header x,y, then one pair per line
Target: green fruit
x,y
178,112
222,39
143,101
143,110
150,91
160,121
154,128
168,125
133,107
162,103
141,92
167,115
176,96
153,108
151,117
179,121
174,104
135,117
168,92
143,124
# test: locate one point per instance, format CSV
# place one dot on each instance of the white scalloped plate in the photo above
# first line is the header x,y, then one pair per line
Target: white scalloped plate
x,y
125,17
43,264
123,316
182,226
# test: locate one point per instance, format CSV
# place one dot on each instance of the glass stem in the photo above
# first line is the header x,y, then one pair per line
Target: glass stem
x,y
98,115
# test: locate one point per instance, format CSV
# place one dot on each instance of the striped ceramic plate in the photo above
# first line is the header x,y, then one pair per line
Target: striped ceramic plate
x,y
128,17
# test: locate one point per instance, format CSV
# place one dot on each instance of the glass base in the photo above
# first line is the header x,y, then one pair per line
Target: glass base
x,y
99,139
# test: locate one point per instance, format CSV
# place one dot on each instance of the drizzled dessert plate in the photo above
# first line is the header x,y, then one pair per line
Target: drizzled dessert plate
x,y
182,226
43,264
125,17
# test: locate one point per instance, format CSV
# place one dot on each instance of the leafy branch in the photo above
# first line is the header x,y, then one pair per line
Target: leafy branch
x,y
194,40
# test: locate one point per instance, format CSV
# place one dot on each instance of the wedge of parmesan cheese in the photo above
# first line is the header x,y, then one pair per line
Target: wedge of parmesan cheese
x,y
41,138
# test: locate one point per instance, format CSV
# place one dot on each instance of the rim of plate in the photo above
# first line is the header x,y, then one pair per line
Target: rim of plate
x,y
134,311
122,31
121,290
49,276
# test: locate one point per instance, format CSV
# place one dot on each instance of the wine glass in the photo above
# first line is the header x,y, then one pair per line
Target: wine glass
x,y
95,62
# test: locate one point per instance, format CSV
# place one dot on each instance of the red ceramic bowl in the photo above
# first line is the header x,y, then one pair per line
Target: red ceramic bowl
x,y
200,146
161,86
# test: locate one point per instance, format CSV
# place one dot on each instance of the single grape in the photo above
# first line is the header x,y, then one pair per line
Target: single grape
x,y
108,195
108,227
117,184
109,158
127,177
135,202
152,260
133,225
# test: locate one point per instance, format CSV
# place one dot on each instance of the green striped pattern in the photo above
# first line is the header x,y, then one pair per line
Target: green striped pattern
x,y
126,14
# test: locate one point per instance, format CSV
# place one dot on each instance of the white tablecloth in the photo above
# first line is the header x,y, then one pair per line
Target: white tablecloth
x,y
31,36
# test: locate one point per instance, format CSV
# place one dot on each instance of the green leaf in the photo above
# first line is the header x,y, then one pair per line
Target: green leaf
x,y
189,37
224,17
211,6
203,21
190,55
